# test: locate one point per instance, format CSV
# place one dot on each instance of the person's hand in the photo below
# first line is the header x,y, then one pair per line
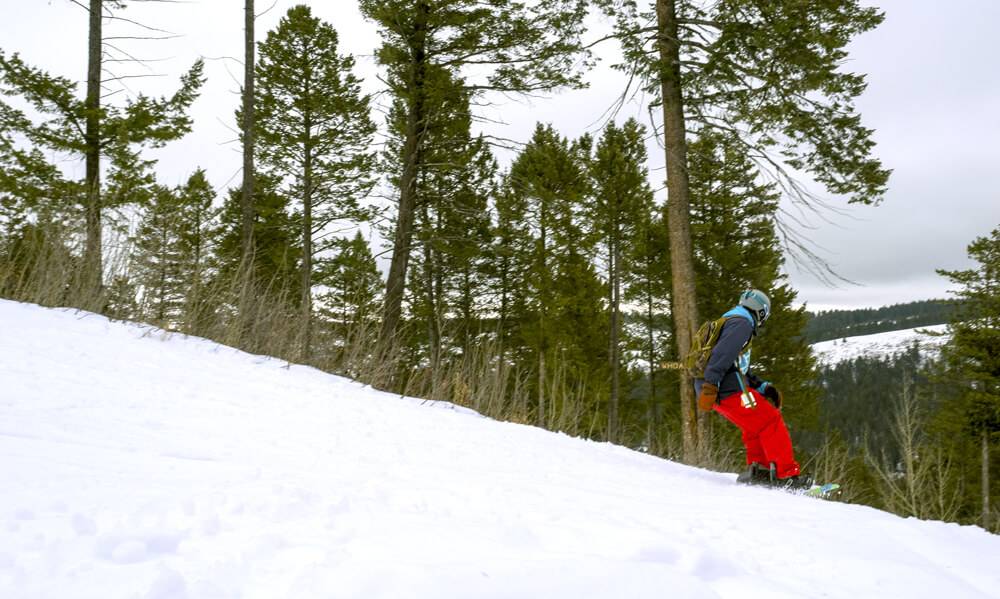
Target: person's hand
x,y
706,399
773,395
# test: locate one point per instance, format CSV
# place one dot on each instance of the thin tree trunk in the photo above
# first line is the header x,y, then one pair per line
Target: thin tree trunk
x,y
161,308
437,276
615,261
651,403
307,244
433,332
541,387
685,309
466,311
247,272
193,319
986,480
93,267
504,308
543,305
412,158
248,136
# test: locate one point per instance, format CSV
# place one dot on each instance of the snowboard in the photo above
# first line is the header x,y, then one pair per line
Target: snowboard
x,y
823,491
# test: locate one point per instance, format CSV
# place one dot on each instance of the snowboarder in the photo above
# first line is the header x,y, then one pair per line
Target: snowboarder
x,y
753,405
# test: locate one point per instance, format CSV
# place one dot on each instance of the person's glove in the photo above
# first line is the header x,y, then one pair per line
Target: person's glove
x,y
771,393
706,399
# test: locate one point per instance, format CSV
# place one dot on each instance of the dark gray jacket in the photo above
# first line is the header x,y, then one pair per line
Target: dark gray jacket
x,y
721,369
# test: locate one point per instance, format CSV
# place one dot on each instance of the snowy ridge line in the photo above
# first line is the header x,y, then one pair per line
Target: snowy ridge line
x,y
881,345
169,468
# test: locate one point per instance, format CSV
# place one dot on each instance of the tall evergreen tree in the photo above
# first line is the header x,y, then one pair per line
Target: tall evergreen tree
x,y
509,270
973,356
197,225
451,221
84,127
246,119
172,251
622,199
313,132
547,186
466,251
275,252
517,47
29,183
648,289
353,285
577,324
159,266
768,71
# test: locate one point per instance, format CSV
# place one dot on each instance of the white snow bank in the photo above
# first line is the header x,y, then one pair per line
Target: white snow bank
x,y
140,465
880,345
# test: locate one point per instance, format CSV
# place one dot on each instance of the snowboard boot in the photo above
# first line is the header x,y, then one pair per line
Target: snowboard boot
x,y
795,483
755,474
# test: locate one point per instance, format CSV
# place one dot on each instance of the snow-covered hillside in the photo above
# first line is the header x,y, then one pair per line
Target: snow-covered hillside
x,y
879,344
139,465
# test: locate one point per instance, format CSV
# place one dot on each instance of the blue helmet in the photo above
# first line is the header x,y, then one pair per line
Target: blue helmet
x,y
757,303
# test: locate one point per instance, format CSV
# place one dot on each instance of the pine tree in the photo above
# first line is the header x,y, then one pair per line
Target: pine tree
x,y
159,268
509,270
451,223
33,222
648,288
196,236
546,187
172,252
29,184
313,133
577,334
67,123
466,250
516,47
275,252
972,355
353,283
246,119
622,198
767,70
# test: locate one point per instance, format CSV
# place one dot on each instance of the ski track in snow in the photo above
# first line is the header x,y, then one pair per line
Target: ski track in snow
x,y
138,464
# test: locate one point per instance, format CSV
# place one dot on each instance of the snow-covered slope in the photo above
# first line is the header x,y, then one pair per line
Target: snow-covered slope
x,y
879,344
139,465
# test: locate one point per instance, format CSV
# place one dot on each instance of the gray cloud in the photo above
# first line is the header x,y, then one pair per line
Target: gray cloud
x,y
932,100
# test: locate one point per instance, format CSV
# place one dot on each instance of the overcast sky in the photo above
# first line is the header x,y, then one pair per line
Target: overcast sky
x,y
933,98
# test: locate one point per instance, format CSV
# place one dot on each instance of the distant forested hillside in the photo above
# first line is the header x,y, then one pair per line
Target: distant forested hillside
x,y
837,324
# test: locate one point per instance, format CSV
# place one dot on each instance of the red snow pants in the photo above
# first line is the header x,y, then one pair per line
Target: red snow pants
x,y
765,435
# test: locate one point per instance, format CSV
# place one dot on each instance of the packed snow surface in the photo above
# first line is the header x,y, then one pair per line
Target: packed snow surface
x,y
137,464
881,345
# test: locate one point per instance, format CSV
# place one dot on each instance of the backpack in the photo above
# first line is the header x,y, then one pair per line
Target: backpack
x,y
702,345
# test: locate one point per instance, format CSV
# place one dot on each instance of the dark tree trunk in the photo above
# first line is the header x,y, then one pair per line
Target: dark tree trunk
x,y
685,309
466,311
504,309
543,306
411,158
986,480
614,259
307,243
430,268
247,200
93,267
651,402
